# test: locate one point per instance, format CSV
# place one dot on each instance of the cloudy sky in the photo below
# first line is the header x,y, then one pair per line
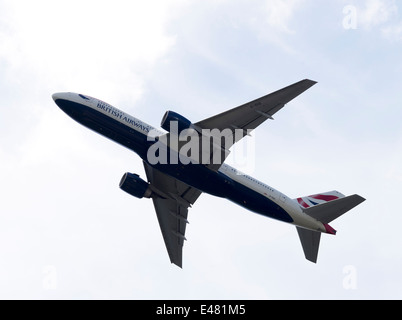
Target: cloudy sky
x,y
68,232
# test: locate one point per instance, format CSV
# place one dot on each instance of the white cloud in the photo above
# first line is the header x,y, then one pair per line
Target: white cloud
x,y
374,15
377,12
80,43
393,32
273,22
382,14
279,13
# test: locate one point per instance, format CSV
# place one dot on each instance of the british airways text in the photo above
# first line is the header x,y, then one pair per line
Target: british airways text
x,y
122,116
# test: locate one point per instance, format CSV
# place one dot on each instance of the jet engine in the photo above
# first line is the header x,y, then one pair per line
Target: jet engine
x,y
135,186
182,122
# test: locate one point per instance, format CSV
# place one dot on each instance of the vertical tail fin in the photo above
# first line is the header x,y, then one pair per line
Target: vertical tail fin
x,y
316,199
310,241
331,206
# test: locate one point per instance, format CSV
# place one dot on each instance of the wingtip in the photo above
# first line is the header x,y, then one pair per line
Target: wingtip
x,y
362,199
178,261
311,82
180,265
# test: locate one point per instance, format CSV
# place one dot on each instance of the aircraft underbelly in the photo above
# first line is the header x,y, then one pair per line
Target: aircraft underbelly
x,y
220,185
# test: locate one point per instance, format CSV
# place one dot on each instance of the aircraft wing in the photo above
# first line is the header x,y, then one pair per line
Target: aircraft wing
x,y
171,209
250,115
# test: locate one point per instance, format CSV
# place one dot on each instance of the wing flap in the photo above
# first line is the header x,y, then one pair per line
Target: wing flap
x,y
172,222
171,206
252,114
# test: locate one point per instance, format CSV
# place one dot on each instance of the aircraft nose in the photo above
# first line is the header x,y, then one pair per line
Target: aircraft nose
x,y
59,96
63,101
55,96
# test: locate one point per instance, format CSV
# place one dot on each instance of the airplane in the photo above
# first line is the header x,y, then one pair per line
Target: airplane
x,y
176,178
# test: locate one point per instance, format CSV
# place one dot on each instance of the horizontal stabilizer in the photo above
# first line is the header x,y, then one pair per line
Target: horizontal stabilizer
x,y
310,241
332,210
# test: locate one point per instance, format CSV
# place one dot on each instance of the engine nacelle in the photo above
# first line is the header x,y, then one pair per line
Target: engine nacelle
x,y
182,122
135,186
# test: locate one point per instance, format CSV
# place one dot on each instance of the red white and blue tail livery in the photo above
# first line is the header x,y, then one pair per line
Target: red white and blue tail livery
x,y
310,201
